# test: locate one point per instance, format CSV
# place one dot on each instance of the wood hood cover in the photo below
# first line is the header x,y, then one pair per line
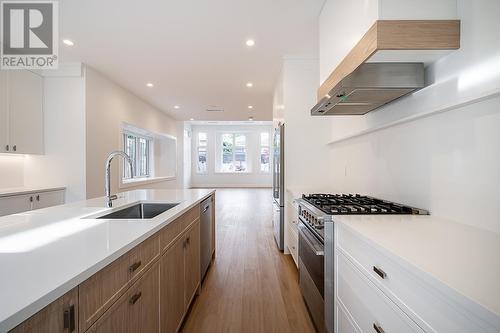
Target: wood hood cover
x,y
395,35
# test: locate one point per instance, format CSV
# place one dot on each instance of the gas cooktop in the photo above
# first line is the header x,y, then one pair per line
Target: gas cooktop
x,y
342,204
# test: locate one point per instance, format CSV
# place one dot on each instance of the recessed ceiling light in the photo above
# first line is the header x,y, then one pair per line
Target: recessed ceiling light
x,y
191,119
250,118
177,107
249,84
250,42
150,85
68,42
250,106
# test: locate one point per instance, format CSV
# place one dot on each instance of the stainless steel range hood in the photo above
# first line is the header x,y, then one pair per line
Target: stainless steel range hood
x,y
370,86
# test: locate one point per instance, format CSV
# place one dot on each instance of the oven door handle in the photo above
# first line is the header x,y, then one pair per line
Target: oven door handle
x,y
317,249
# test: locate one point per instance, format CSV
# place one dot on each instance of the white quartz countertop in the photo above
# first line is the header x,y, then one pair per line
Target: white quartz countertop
x,y
27,190
461,257
47,252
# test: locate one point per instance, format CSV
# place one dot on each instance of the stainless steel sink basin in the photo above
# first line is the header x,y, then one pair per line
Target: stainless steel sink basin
x,y
140,211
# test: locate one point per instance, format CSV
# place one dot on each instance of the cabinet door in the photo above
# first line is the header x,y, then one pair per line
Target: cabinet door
x,y
61,316
172,287
212,250
135,311
4,112
48,199
144,303
25,112
15,204
192,261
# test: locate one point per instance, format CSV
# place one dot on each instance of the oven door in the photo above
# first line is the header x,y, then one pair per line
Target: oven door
x,y
311,274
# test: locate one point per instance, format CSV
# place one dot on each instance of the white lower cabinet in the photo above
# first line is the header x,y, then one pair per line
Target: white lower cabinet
x,y
293,245
291,229
15,204
25,202
345,324
380,295
48,199
371,310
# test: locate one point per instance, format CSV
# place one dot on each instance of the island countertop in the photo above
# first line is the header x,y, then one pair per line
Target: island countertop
x,y
47,252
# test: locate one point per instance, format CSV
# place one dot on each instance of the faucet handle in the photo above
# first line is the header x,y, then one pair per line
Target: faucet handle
x,y
113,197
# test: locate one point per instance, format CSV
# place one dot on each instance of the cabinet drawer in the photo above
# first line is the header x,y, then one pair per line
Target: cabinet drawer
x,y
344,323
61,316
189,217
293,245
292,216
366,304
176,227
169,233
141,257
426,305
102,289
135,311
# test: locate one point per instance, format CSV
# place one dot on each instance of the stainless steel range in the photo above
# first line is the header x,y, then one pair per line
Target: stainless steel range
x,y
316,247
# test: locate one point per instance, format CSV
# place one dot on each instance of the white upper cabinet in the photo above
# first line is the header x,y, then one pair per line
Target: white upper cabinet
x,y
21,112
4,112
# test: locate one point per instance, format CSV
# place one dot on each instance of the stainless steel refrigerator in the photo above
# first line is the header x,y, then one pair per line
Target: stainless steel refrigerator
x,y
278,186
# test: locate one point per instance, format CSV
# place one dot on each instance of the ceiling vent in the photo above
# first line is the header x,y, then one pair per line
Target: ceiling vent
x,y
213,108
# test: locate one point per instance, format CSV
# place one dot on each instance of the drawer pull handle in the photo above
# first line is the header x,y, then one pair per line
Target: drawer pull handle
x,y
379,272
134,266
135,298
69,318
377,328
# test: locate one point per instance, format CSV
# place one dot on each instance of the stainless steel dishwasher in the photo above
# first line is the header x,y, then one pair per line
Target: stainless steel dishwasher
x,y
205,236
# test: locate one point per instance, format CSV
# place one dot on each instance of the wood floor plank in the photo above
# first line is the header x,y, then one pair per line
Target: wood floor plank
x,y
251,286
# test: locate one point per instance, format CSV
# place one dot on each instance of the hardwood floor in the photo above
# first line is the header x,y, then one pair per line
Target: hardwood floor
x,y
251,286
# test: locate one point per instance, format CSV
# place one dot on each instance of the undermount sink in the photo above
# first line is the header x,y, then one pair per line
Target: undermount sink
x,y
140,211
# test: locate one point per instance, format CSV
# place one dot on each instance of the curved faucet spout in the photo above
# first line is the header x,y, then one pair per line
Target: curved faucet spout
x,y
107,189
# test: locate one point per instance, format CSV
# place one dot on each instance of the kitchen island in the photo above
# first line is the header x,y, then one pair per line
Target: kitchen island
x,y
47,254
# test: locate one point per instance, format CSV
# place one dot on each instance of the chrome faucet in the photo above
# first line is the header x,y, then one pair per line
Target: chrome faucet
x,y
109,197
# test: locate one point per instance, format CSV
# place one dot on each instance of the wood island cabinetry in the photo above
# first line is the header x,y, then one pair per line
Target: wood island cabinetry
x,y
148,289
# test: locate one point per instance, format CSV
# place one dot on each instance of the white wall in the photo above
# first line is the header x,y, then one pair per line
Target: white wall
x,y
108,106
305,155
187,155
447,162
254,178
11,171
63,163
341,26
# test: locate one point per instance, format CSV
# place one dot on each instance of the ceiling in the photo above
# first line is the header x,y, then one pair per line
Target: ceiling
x,y
193,52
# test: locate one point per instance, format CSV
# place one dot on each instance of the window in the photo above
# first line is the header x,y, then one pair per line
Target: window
x,y
264,152
234,153
202,153
139,149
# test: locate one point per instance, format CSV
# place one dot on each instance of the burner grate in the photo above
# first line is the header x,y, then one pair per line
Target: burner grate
x,y
338,204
